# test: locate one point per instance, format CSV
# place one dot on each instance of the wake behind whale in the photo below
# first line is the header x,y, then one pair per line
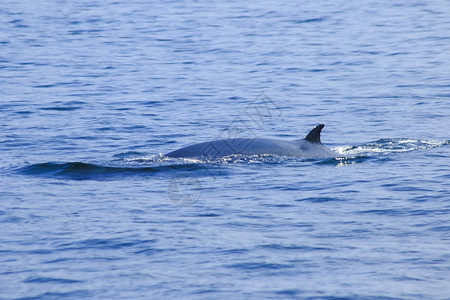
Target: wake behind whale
x,y
309,147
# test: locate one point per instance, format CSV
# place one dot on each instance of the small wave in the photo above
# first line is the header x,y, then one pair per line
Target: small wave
x,y
87,171
62,108
51,280
259,266
128,155
75,294
321,19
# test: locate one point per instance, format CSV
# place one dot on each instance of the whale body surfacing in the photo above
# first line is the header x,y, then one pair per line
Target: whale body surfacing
x,y
309,147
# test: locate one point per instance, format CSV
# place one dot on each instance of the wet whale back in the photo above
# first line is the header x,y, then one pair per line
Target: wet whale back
x,y
309,147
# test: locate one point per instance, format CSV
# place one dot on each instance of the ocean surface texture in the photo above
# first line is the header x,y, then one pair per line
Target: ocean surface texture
x,y
93,93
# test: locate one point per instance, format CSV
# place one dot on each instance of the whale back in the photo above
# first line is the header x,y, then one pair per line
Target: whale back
x,y
308,147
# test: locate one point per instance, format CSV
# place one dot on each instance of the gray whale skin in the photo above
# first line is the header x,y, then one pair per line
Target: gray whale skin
x,y
309,147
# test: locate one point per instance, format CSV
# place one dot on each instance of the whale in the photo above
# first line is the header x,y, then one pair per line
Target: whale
x,y
309,147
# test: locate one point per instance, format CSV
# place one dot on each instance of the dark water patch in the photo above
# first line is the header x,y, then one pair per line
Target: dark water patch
x,y
390,212
51,280
399,212
12,219
149,251
406,188
45,86
133,128
105,244
59,260
83,31
291,69
87,171
205,291
64,260
424,198
105,129
33,64
77,294
61,108
149,115
293,247
234,98
24,112
397,53
40,251
279,205
234,251
311,20
19,103
152,103
208,215
291,293
319,199
444,229
258,266
123,108
83,95
407,278
15,21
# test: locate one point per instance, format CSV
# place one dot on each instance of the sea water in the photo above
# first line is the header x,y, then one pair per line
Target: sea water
x,y
93,92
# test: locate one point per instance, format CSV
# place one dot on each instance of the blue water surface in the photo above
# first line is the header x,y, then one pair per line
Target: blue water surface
x,y
93,92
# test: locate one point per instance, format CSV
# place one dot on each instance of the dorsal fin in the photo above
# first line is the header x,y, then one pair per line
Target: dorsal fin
x,y
314,135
